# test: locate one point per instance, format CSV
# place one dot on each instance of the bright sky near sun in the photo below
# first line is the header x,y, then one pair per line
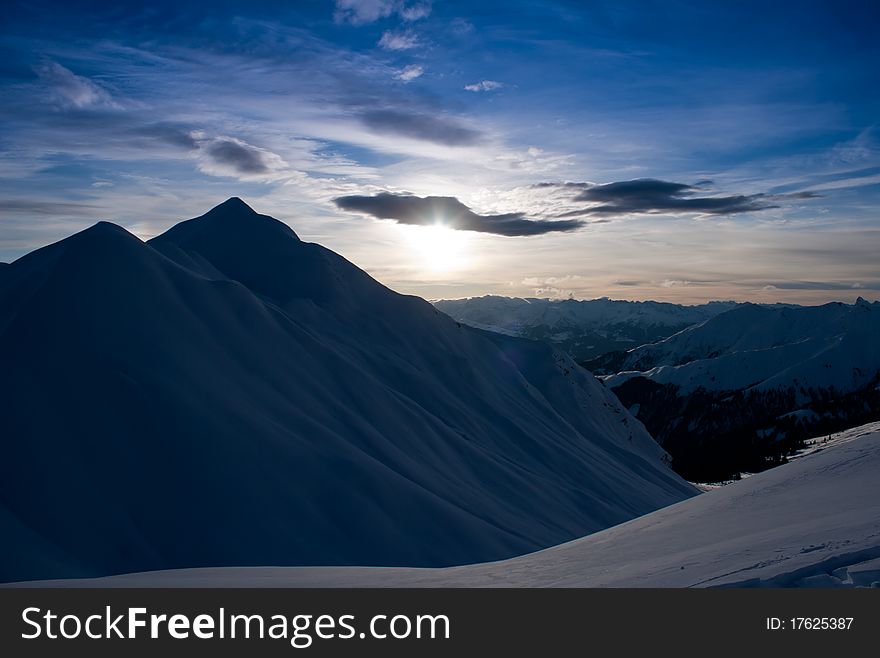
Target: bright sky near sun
x,y
680,151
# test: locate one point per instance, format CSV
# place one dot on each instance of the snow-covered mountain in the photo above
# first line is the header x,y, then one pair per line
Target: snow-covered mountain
x,y
767,347
809,523
227,394
755,378
586,329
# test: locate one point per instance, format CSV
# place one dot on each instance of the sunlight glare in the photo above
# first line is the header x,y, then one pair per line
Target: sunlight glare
x,y
438,248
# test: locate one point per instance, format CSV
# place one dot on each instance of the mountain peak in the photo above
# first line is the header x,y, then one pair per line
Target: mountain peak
x,y
100,236
236,213
104,227
236,204
233,222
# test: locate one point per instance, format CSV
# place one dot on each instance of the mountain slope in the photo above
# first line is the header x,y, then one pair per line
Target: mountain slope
x,y
230,395
810,523
586,329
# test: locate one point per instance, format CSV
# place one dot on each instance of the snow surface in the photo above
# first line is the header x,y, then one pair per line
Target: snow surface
x,y
227,394
766,348
812,522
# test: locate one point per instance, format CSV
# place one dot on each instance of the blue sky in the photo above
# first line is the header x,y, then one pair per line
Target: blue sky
x,y
681,151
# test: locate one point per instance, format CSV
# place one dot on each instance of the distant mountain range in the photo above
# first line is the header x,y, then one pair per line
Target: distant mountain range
x,y
736,390
227,394
740,391
765,348
586,329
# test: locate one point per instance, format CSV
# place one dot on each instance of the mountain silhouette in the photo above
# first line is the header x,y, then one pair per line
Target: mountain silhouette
x,y
228,394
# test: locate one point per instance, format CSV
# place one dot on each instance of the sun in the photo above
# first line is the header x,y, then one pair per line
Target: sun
x,y
438,248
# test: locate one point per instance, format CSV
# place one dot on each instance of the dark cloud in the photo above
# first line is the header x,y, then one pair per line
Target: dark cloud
x,y
450,212
798,195
173,134
48,208
240,157
579,212
563,185
648,195
420,126
641,188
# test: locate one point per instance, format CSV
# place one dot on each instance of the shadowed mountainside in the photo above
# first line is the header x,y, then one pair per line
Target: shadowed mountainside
x,y
228,394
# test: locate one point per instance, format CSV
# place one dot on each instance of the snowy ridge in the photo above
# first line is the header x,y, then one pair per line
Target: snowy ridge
x,y
810,523
766,348
228,394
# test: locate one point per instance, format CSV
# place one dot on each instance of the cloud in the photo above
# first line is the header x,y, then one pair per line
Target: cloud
x,y
420,126
228,156
567,184
362,12
71,90
844,183
808,194
652,196
398,40
449,212
415,11
485,85
823,285
242,157
863,148
170,133
461,27
558,287
410,72
47,208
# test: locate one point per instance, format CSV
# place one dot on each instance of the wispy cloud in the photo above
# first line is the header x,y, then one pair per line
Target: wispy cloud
x,y
362,12
71,90
846,182
415,11
823,285
410,73
169,133
451,213
47,208
484,85
398,40
437,129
